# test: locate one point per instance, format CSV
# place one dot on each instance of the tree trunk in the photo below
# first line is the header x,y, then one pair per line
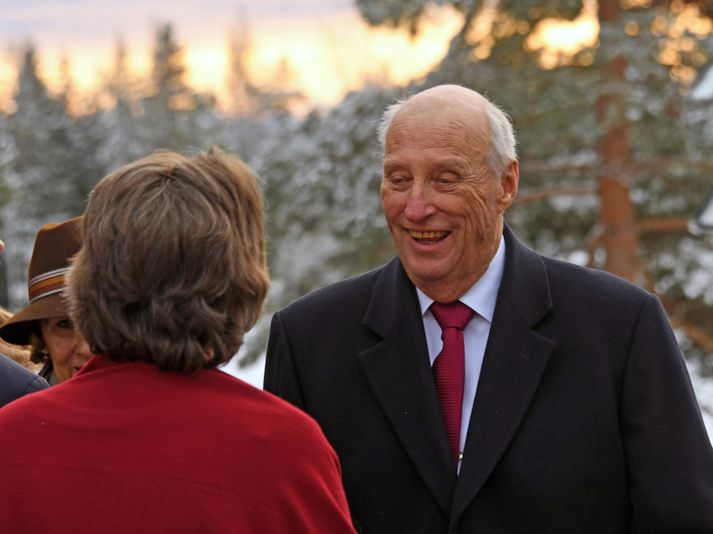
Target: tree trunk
x,y
618,219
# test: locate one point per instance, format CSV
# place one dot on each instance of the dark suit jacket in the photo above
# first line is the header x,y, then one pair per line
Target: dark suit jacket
x,y
16,381
584,419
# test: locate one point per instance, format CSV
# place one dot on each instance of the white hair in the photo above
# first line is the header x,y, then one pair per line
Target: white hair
x,y
502,136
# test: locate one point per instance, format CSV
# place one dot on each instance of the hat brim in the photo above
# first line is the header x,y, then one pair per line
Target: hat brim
x,y
17,329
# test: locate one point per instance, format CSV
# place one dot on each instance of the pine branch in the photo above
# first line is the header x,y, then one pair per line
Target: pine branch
x,y
656,225
594,241
696,334
535,195
678,311
536,167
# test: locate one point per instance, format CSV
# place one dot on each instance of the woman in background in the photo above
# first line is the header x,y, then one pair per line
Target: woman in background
x,y
44,323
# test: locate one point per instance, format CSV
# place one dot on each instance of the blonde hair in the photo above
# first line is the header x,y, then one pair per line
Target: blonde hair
x,y
173,268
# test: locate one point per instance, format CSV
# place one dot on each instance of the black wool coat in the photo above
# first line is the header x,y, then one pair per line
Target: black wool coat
x,y
584,420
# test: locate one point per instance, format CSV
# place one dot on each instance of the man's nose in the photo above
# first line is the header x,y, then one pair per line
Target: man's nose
x,y
419,203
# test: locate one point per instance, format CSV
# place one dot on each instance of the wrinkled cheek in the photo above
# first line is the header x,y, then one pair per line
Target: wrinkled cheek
x,y
390,220
391,206
479,217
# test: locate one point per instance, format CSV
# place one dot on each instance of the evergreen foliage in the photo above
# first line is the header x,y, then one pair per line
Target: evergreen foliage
x,y
321,173
615,115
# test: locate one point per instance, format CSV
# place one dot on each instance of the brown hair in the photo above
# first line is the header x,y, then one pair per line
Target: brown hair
x,y
38,353
172,270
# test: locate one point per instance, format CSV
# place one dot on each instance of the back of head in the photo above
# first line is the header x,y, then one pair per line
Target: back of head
x,y
172,270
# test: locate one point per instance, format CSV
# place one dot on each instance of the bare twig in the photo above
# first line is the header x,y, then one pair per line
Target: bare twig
x,y
673,224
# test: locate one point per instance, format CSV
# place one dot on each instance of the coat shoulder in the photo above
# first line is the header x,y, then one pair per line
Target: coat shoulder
x,y
576,281
351,293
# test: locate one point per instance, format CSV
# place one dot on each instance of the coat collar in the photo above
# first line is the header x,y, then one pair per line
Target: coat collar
x,y
399,372
515,359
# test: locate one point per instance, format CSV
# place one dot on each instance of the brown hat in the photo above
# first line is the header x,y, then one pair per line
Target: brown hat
x,y
55,244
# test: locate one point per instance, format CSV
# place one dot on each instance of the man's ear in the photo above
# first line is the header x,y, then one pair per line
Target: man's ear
x,y
509,181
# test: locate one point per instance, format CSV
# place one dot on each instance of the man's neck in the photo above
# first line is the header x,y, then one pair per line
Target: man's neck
x,y
445,293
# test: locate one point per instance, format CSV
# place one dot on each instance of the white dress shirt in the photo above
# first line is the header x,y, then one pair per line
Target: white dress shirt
x,y
481,298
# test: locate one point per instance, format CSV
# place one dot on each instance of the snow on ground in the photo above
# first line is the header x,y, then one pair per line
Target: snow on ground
x,y
704,89
704,394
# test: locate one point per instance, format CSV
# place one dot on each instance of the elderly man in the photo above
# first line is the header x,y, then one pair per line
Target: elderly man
x,y
472,385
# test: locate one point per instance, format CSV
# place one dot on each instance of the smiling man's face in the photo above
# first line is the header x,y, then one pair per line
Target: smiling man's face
x,y
442,201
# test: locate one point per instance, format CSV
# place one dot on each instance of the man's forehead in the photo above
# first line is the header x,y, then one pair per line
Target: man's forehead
x,y
454,133
442,120
444,160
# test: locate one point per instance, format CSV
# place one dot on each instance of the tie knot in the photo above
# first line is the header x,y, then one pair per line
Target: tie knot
x,y
452,315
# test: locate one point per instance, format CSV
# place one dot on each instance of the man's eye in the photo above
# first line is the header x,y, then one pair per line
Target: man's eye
x,y
446,179
398,179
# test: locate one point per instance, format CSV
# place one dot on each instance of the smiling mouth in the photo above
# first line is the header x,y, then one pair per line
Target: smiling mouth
x,y
428,237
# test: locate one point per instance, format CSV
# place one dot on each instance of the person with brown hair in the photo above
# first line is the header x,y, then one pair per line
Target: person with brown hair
x,y
44,324
150,436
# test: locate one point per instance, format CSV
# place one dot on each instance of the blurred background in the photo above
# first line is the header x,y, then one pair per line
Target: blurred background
x,y
612,103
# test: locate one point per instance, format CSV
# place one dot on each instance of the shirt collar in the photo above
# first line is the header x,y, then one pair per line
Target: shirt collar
x,y
482,295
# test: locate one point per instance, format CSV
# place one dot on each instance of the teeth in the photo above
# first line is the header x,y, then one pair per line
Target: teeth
x,y
427,235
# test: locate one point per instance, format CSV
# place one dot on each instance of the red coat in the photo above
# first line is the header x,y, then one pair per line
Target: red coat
x,y
126,447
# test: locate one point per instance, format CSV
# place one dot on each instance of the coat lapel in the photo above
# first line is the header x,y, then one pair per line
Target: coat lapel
x,y
399,373
514,362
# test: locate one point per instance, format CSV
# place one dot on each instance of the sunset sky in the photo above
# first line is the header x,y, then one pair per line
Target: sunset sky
x,y
327,47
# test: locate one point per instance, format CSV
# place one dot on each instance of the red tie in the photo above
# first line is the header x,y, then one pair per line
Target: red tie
x,y
449,367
